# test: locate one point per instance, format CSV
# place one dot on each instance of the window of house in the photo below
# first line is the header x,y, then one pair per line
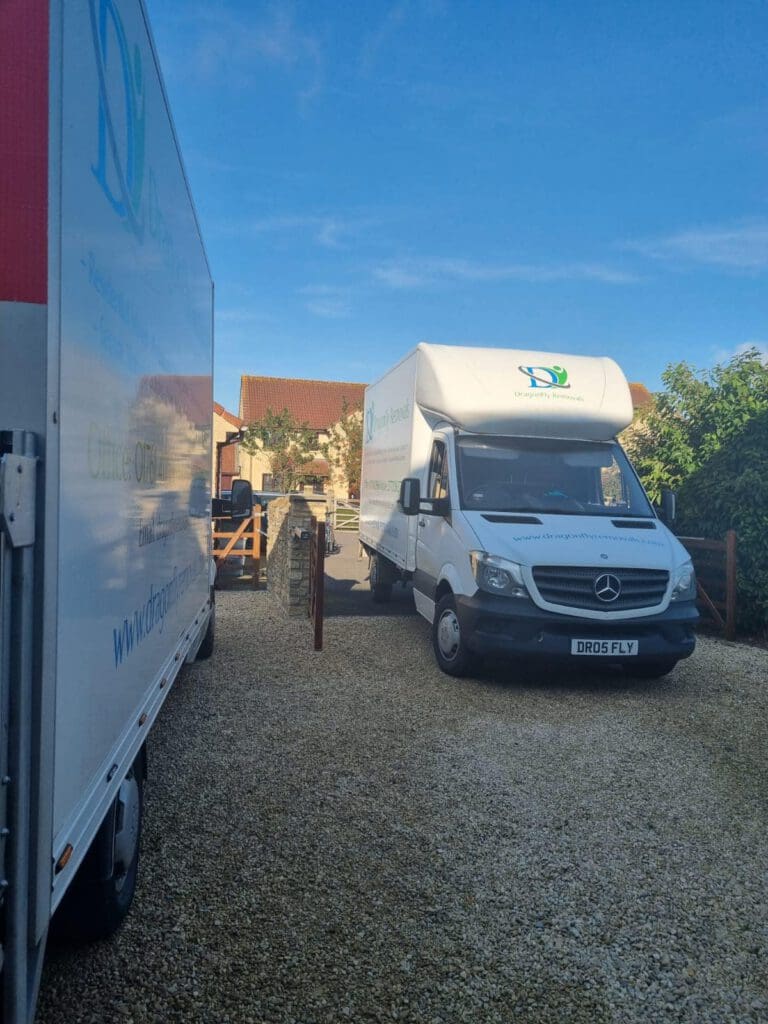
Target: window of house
x,y
317,483
266,482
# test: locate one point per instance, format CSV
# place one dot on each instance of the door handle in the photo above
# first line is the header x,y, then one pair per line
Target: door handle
x,y
422,522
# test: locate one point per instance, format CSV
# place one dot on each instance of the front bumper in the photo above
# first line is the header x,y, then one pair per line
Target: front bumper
x,y
514,626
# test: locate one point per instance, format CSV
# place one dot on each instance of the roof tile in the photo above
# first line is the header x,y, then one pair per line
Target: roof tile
x,y
319,403
225,414
641,396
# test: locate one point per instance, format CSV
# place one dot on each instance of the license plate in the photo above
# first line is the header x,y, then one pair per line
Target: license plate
x,y
602,648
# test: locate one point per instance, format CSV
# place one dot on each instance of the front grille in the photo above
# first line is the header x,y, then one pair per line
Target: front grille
x,y
574,587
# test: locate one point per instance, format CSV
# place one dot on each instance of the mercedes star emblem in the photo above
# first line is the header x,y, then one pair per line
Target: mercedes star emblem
x,y
607,587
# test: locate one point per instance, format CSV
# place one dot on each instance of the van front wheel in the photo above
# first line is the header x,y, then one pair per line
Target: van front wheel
x,y
380,580
451,651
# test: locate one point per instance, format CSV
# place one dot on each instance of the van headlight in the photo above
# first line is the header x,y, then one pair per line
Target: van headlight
x,y
496,575
684,582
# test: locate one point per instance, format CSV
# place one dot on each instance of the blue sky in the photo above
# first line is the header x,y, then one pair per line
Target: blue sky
x,y
587,178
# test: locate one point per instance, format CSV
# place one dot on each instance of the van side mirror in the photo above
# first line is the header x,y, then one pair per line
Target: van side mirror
x,y
668,512
242,499
410,496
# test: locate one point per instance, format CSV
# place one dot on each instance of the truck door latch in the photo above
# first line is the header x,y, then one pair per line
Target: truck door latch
x,y
17,499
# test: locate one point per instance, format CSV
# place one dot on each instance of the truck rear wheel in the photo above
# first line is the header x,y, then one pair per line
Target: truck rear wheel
x,y
102,892
380,579
205,650
451,651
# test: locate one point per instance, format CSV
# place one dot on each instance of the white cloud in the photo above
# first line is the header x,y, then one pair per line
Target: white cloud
x,y
327,301
326,230
724,355
397,19
236,317
393,20
425,273
737,247
402,275
228,47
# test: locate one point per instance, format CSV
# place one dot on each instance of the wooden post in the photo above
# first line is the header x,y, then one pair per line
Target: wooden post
x,y
256,549
319,585
730,584
317,580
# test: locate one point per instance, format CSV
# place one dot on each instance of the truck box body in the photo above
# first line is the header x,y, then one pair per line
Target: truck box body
x,y
521,478
106,306
478,390
396,437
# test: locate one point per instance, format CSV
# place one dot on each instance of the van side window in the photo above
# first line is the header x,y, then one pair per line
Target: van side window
x,y
438,471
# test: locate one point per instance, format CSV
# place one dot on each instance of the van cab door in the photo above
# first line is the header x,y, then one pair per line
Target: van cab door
x,y
433,523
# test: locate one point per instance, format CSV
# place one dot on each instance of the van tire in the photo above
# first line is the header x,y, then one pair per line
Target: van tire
x,y
95,906
205,650
448,640
651,669
380,580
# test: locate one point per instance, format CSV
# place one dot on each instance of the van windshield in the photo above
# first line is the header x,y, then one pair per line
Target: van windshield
x,y
526,474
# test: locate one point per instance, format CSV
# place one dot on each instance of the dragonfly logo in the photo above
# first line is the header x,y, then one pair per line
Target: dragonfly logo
x,y
119,167
545,376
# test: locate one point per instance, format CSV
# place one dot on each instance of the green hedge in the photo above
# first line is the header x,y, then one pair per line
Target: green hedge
x,y
707,436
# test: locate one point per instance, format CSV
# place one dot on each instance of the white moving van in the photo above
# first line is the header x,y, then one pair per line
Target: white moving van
x,y
106,361
493,480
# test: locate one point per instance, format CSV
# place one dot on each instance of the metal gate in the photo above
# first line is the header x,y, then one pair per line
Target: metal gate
x,y
346,514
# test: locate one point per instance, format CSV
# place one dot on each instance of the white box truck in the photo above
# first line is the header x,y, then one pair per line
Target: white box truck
x,y
106,306
492,479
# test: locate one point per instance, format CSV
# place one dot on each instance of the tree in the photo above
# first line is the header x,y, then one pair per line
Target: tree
x,y
344,447
707,436
288,446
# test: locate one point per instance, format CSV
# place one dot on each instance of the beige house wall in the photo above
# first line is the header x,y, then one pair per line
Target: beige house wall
x,y
221,427
254,467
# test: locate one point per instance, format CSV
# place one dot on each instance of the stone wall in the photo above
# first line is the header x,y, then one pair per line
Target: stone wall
x,y
288,557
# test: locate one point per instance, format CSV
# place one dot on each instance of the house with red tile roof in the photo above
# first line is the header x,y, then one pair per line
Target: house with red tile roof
x,y
226,465
641,396
318,403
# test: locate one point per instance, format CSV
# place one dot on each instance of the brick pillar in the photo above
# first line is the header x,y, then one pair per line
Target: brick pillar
x,y
287,556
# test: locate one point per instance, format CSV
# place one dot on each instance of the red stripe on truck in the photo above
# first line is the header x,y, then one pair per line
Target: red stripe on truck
x,y
24,150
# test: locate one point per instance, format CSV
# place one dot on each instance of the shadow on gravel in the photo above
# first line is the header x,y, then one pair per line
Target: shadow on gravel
x,y
347,591
555,679
351,597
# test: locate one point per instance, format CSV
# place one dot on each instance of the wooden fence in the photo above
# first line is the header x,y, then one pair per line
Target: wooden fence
x,y
249,532
715,565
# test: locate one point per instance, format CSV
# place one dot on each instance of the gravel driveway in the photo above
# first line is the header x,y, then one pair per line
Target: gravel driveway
x,y
353,836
